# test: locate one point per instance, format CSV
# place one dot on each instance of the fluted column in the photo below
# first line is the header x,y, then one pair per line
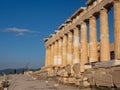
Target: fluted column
x,y
52,54
104,35
46,57
117,29
84,44
56,53
93,40
76,46
64,50
70,48
60,51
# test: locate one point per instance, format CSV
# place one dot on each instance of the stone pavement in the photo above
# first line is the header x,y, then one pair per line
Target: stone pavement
x,y
23,82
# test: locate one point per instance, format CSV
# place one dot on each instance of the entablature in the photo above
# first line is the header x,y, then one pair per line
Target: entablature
x,y
77,13
90,2
87,14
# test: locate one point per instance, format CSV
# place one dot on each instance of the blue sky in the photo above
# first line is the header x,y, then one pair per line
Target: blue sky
x,y
23,26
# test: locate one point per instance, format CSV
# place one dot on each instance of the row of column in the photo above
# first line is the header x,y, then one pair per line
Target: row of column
x,y
73,47
117,28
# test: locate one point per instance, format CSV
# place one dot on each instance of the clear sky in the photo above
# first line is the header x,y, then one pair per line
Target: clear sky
x,y
23,26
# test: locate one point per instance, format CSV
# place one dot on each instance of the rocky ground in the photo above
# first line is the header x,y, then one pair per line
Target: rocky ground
x,y
1,78
24,82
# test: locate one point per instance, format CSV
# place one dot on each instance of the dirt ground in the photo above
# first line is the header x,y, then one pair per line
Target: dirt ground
x,y
24,82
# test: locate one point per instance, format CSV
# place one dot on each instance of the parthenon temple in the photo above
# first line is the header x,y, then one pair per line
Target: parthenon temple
x,y
71,45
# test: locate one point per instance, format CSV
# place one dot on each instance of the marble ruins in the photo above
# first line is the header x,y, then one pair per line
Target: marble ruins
x,y
71,58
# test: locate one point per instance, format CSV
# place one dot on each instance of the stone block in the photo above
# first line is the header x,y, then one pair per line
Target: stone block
x,y
102,79
107,64
78,76
65,74
85,78
116,69
88,66
60,72
82,67
86,83
72,80
68,68
65,80
77,82
76,68
116,77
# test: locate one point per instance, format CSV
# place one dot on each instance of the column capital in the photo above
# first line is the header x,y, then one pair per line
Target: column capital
x,y
65,34
60,37
92,16
82,22
69,32
57,32
83,25
103,8
76,27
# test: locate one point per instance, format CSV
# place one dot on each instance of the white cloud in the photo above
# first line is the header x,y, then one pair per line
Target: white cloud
x,y
20,34
20,31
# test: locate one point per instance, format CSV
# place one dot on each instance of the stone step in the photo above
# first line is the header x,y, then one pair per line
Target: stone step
x,y
107,64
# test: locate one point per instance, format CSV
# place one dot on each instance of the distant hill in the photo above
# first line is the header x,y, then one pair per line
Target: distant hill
x,y
17,71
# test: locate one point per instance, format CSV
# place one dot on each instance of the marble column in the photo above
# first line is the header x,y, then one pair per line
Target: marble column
x,y
56,53
52,56
60,51
46,57
53,52
93,40
117,29
104,36
76,46
84,44
70,48
64,61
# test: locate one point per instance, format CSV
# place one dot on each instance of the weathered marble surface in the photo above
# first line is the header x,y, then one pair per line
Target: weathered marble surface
x,y
108,64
